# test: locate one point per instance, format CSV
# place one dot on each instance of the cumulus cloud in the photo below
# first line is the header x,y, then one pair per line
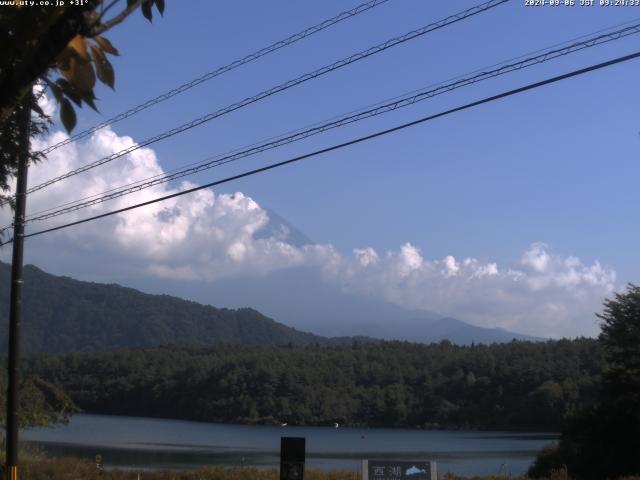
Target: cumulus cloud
x,y
200,236
542,293
206,236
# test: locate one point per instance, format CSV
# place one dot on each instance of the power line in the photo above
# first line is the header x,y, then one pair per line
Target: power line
x,y
279,88
508,93
224,69
392,104
398,102
397,97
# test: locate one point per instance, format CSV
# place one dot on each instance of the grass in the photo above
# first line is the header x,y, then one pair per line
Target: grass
x,y
75,469
36,467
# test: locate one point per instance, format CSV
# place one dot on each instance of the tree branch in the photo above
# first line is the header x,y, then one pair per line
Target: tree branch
x,y
104,9
39,56
103,27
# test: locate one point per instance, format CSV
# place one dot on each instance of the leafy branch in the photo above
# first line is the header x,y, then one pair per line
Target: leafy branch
x,y
68,40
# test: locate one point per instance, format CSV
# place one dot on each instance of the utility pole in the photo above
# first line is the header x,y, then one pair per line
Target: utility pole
x,y
15,308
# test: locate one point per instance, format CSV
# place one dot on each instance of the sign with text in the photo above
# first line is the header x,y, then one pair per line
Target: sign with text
x,y
398,470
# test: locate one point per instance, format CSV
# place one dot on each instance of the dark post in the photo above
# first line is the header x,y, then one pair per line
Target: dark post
x,y
292,453
15,308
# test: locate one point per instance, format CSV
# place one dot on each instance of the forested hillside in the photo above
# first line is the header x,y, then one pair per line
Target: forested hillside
x,y
518,385
61,314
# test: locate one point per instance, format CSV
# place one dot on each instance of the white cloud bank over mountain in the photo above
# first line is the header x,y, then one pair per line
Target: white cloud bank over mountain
x,y
543,293
206,236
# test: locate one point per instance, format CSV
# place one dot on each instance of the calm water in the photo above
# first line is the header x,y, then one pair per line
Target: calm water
x,y
143,443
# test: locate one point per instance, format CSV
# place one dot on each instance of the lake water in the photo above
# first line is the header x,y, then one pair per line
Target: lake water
x,y
143,443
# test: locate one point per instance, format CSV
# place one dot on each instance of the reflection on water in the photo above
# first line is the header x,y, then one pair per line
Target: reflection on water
x,y
143,443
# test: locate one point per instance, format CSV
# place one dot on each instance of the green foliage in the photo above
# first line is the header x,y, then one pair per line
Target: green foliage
x,y
41,403
519,385
549,460
621,339
10,143
43,39
61,314
603,440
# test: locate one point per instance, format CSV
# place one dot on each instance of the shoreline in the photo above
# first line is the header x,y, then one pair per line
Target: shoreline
x,y
134,442
430,428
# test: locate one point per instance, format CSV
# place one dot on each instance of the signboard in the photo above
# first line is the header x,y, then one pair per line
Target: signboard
x,y
292,456
398,470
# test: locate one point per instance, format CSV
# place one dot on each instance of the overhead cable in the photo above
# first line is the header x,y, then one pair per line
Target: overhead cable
x,y
399,102
355,141
483,7
221,70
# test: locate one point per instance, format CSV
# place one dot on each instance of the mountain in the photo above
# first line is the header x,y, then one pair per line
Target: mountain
x,y
62,314
278,227
459,332
300,297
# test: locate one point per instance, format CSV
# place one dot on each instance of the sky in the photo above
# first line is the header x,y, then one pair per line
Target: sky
x,y
521,213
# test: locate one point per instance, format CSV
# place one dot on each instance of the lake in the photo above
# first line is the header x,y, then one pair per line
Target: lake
x,y
144,443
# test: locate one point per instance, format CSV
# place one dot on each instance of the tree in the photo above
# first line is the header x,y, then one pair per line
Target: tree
x,y
621,339
10,144
603,441
619,411
40,41
41,403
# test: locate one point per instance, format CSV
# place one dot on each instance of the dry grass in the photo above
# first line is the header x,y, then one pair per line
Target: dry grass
x,y
76,469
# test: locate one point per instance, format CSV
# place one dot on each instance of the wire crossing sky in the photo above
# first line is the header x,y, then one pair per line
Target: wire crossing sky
x,y
344,120
372,136
531,58
518,215
470,12
363,7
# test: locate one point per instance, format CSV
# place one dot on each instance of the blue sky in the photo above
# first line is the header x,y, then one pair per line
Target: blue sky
x,y
556,165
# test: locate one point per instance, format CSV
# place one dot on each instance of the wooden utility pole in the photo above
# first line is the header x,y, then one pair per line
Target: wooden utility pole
x,y
15,308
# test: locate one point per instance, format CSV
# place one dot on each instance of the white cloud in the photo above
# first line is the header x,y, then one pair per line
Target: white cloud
x,y
543,293
202,235
47,105
451,266
205,236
